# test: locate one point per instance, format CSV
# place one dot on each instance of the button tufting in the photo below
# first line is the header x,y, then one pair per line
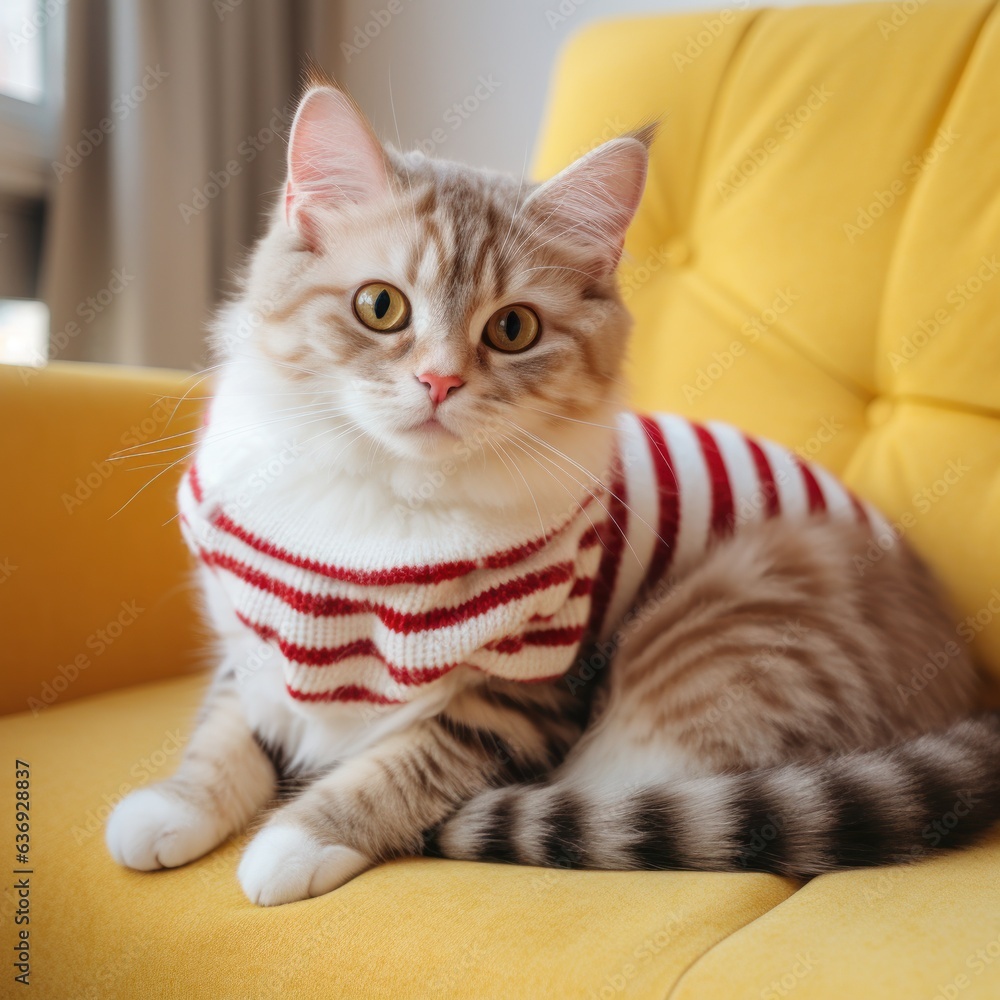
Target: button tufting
x,y
879,412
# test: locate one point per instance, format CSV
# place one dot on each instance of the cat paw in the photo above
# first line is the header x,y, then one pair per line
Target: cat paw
x,y
152,829
283,864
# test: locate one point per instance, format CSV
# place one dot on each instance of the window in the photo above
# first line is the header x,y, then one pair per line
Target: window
x,y
31,46
21,59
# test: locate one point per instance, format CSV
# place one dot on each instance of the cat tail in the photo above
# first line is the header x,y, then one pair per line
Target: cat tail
x,y
935,792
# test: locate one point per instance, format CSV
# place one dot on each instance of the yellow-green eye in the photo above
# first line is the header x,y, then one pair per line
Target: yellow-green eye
x,y
512,328
381,307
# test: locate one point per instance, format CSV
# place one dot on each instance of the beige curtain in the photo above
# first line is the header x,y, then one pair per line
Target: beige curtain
x,y
172,148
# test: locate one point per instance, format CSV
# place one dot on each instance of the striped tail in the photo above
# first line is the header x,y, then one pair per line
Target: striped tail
x,y
935,792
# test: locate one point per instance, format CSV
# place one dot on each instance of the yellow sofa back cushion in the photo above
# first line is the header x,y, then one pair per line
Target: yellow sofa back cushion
x,y
817,255
96,588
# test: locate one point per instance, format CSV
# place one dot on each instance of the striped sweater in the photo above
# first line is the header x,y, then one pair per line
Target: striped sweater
x,y
363,625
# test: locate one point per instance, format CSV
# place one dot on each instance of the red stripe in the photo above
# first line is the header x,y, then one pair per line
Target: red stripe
x,y
723,515
612,533
511,644
424,574
196,490
501,560
817,502
668,494
582,587
349,692
569,636
324,656
429,574
765,474
327,606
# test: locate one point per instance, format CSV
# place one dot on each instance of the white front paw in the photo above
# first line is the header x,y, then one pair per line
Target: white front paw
x,y
152,828
285,863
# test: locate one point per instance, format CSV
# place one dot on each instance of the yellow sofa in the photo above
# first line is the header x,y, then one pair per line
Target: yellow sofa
x,y
814,259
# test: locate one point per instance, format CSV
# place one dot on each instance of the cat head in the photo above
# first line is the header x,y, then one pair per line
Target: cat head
x,y
435,308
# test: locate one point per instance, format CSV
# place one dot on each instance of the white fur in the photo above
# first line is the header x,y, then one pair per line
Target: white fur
x,y
152,829
284,864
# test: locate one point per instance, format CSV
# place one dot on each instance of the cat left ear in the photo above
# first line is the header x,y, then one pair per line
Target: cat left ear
x,y
334,158
591,203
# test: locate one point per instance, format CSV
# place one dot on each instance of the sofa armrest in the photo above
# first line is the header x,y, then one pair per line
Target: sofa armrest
x,y
95,586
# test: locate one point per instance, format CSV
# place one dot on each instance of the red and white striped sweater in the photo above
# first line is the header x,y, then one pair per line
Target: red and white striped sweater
x,y
360,625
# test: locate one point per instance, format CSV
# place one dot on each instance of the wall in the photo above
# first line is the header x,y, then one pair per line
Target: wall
x,y
419,58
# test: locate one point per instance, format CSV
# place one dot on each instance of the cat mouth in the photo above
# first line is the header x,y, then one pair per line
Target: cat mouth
x,y
432,426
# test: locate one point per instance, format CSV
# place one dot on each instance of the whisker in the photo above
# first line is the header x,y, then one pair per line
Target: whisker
x,y
517,211
278,417
596,479
559,482
562,416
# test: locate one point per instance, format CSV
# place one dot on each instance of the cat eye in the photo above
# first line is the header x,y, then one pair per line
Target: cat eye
x,y
512,329
381,307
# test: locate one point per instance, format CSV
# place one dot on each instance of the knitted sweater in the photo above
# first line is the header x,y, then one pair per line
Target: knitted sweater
x,y
355,623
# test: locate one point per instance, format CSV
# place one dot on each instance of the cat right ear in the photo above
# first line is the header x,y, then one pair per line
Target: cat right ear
x,y
334,159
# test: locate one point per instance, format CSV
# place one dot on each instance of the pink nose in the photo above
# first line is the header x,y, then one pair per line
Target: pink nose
x,y
439,385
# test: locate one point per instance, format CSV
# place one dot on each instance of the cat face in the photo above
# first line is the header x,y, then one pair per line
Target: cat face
x,y
438,307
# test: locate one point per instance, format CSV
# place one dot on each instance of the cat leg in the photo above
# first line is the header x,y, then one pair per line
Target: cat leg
x,y
380,804
224,778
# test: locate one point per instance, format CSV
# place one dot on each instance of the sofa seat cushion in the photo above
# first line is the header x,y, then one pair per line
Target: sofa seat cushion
x,y
930,930
414,928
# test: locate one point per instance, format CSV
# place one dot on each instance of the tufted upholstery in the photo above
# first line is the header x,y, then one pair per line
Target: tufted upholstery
x,y
817,256
766,292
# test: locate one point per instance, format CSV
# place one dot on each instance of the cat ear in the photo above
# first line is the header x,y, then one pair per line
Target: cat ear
x,y
334,158
591,203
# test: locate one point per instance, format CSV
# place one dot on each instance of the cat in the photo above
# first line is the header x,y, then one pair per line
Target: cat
x,y
468,605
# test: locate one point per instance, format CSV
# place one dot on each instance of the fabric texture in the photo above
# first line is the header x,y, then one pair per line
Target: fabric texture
x,y
353,623
819,322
